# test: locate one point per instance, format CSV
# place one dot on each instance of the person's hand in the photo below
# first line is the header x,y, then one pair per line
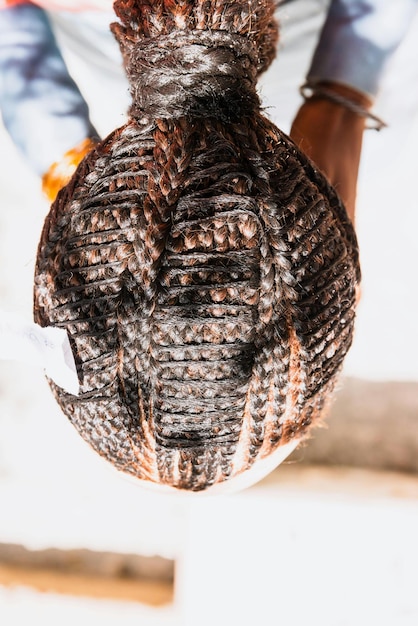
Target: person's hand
x,y
331,135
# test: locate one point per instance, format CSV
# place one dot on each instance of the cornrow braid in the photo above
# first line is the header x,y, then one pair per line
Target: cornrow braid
x,y
205,271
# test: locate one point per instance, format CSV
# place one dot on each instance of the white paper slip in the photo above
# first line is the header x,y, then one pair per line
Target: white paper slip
x,y
47,347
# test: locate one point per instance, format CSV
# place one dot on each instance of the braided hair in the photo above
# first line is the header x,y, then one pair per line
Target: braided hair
x,y
204,269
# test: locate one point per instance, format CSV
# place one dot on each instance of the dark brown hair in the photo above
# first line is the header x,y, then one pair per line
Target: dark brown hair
x,y
204,269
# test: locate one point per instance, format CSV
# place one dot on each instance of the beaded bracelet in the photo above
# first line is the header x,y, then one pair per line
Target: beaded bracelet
x,y
308,91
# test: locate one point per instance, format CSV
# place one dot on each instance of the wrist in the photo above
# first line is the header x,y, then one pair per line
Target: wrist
x,y
346,91
345,97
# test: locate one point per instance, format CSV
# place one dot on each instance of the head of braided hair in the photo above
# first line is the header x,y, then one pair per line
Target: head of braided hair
x,y
204,269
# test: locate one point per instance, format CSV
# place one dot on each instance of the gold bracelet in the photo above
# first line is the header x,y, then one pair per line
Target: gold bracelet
x,y
308,91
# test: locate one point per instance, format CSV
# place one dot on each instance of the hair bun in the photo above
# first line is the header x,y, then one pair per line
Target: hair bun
x,y
195,73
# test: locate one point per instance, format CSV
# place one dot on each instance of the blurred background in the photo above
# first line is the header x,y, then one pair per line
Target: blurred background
x,y
330,536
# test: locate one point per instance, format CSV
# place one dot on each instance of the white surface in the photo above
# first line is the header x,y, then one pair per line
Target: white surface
x,y
301,555
49,348
20,606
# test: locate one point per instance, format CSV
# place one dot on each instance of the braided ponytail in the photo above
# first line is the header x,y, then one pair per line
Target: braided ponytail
x,y
203,268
